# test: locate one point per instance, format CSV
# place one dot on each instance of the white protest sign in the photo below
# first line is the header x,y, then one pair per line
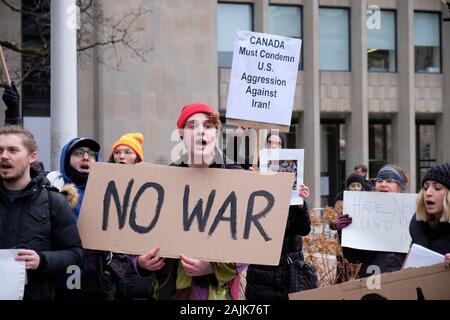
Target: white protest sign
x,y
420,256
263,78
285,160
12,276
380,220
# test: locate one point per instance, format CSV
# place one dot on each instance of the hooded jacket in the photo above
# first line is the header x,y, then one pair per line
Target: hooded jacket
x,y
59,178
40,219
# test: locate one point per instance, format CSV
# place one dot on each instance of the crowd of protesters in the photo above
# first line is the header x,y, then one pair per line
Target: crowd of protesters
x,y
39,212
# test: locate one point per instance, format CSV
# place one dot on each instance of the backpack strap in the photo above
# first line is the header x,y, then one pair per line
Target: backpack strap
x,y
50,189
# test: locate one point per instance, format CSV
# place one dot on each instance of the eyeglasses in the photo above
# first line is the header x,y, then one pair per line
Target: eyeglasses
x,y
388,181
79,153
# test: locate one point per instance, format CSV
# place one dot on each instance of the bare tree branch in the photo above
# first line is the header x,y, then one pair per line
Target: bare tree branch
x,y
27,12
38,52
109,36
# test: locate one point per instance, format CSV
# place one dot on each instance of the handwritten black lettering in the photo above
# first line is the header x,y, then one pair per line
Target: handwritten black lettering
x,y
250,218
197,212
230,201
111,191
133,224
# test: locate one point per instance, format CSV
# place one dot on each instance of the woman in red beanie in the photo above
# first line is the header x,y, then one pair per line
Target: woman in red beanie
x,y
187,278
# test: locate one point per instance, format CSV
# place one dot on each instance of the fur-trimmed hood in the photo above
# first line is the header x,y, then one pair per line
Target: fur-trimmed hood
x,y
70,192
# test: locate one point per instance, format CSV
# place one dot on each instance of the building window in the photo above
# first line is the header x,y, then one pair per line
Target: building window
x,y
334,39
36,84
380,146
427,42
231,17
286,21
332,167
381,44
426,149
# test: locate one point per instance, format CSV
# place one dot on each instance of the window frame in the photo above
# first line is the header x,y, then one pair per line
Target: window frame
x,y
349,20
300,65
252,7
396,44
439,14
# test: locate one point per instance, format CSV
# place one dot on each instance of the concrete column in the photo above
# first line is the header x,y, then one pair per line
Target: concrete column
x,y
63,101
443,123
403,125
310,121
357,122
261,15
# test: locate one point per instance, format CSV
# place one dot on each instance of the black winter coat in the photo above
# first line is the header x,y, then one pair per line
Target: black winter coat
x,y
386,261
272,282
436,238
27,223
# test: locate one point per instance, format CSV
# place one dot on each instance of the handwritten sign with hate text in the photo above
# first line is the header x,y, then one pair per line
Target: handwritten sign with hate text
x,y
380,220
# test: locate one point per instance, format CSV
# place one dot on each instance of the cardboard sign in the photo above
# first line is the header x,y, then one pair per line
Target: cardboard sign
x,y
285,160
263,80
380,220
208,214
427,283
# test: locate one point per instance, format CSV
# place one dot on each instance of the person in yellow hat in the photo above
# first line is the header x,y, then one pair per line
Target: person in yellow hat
x,y
123,282
128,149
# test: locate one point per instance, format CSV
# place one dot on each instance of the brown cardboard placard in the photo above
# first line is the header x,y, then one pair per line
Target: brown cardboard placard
x,y
256,125
256,236
429,283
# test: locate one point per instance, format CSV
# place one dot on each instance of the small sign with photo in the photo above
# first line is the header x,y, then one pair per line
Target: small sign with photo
x,y
285,160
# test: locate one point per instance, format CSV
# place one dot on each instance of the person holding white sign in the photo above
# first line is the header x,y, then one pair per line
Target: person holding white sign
x,y
35,217
390,178
430,226
187,278
354,182
273,282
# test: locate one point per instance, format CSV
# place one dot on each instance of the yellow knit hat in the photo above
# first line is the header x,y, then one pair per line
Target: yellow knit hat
x,y
132,140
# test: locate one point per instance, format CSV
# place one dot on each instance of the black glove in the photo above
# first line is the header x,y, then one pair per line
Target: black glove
x,y
11,97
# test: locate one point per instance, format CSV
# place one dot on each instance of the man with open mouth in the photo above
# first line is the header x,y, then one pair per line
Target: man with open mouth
x,y
34,217
77,157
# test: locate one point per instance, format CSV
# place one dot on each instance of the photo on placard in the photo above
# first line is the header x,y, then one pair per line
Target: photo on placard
x,y
285,160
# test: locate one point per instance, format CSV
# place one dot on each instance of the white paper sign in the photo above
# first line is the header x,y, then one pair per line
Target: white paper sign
x,y
380,220
419,256
285,160
12,276
263,78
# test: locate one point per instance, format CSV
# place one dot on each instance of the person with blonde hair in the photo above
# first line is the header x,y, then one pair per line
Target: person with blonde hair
x,y
430,226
